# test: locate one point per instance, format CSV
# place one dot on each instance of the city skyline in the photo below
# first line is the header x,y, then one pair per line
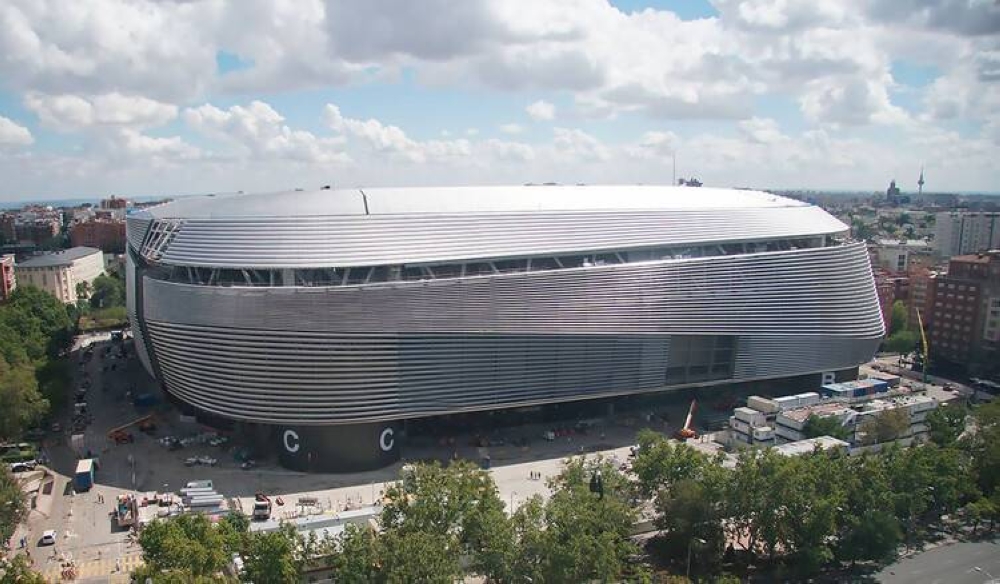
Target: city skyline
x,y
164,98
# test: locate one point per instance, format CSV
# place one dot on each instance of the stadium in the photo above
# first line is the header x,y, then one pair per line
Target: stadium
x,y
324,319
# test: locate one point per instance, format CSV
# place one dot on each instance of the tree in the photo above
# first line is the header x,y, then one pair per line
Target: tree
x,y
874,536
586,535
946,423
186,544
272,556
21,404
355,555
825,426
691,511
13,506
865,526
659,463
885,426
418,556
108,291
461,503
903,341
984,446
900,318
984,509
35,328
17,570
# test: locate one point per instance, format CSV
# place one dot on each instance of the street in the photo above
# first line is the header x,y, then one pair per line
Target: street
x,y
949,564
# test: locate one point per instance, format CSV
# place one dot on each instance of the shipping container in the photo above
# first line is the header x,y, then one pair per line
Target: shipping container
x,y
762,404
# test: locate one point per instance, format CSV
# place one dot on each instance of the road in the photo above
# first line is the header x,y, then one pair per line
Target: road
x,y
950,564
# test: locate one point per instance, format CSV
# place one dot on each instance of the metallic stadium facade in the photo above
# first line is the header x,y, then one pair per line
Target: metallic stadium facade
x,y
329,316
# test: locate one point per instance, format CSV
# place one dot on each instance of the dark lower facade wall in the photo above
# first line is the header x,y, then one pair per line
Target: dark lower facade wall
x,y
340,449
363,447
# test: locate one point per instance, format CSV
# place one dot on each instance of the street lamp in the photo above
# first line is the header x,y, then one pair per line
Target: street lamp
x,y
690,543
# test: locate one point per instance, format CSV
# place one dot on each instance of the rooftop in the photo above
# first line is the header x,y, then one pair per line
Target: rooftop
x,y
821,409
978,258
459,200
915,243
809,445
59,258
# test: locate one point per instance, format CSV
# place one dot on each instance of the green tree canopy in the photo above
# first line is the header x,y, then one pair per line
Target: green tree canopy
x,y
17,570
34,330
107,291
946,423
272,556
186,544
660,462
885,426
900,318
825,426
13,506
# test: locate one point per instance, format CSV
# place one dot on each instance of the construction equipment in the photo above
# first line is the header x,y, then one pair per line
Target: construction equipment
x,y
143,422
261,507
687,431
925,348
126,510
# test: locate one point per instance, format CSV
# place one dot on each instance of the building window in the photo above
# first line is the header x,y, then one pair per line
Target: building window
x,y
692,358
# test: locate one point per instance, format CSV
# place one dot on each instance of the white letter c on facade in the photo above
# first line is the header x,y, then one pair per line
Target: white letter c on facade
x,y
386,441
291,441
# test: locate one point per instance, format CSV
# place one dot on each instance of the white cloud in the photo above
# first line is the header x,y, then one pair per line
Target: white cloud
x,y
508,151
161,49
761,130
511,128
653,145
391,140
13,134
541,110
259,131
575,145
74,112
172,148
110,69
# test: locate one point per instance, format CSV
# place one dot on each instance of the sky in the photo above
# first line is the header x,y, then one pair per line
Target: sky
x,y
172,97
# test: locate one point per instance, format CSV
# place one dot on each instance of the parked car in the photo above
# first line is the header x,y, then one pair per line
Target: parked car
x,y
48,538
22,466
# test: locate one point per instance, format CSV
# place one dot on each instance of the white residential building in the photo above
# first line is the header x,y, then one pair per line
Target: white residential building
x,y
958,233
59,273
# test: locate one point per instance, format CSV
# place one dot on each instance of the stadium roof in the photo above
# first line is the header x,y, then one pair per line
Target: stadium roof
x,y
459,200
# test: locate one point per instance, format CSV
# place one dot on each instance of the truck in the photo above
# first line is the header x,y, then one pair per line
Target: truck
x,y
83,479
126,510
261,507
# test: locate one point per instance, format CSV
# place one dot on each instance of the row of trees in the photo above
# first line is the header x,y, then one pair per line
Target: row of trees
x,y
822,509
35,328
437,525
798,514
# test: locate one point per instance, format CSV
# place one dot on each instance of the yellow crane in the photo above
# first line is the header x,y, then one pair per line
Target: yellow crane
x,y
923,344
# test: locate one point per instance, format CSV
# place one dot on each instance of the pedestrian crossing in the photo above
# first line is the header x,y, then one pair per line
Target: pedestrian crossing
x,y
102,568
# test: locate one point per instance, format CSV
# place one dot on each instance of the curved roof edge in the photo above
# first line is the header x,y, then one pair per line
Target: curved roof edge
x,y
462,200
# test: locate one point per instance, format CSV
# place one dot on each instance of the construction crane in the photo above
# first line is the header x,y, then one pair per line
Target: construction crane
x,y
687,431
925,350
